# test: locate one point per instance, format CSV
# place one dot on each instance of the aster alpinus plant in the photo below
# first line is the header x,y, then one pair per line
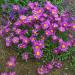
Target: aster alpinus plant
x,y
38,32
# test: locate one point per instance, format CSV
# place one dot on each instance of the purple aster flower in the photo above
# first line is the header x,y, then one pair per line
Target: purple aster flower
x,y
47,33
31,5
17,23
36,17
49,66
70,36
73,27
25,56
45,24
34,32
10,64
32,39
38,10
8,41
54,37
23,10
56,51
58,65
41,44
41,70
18,31
54,10
12,73
22,17
64,24
38,54
25,40
37,27
7,30
55,25
15,7
62,29
12,58
63,46
48,5
15,40
4,73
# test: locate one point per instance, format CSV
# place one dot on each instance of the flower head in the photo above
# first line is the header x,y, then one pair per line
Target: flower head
x,y
25,56
38,54
15,40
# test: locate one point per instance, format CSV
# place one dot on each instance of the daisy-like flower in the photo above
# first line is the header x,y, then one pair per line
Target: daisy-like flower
x,y
25,40
31,5
15,7
12,73
15,40
22,17
46,24
8,41
63,46
49,66
32,39
4,73
62,29
37,27
54,10
18,31
38,54
12,58
17,23
58,64
64,24
54,37
47,33
25,56
7,30
38,10
41,70
48,5
10,64
73,27
34,32
56,51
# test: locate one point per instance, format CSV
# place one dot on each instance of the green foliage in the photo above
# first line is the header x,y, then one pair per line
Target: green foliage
x,y
72,64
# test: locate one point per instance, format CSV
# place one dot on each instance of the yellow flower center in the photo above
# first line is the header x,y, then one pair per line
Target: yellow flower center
x,y
38,53
35,17
40,11
10,63
65,24
37,47
44,25
51,31
73,26
32,38
47,7
46,33
63,46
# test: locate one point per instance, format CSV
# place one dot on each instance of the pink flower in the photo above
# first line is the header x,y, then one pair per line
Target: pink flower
x,y
15,40
25,56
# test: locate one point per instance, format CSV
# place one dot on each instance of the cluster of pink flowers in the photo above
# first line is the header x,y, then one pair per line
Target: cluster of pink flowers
x,y
11,63
44,69
44,17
